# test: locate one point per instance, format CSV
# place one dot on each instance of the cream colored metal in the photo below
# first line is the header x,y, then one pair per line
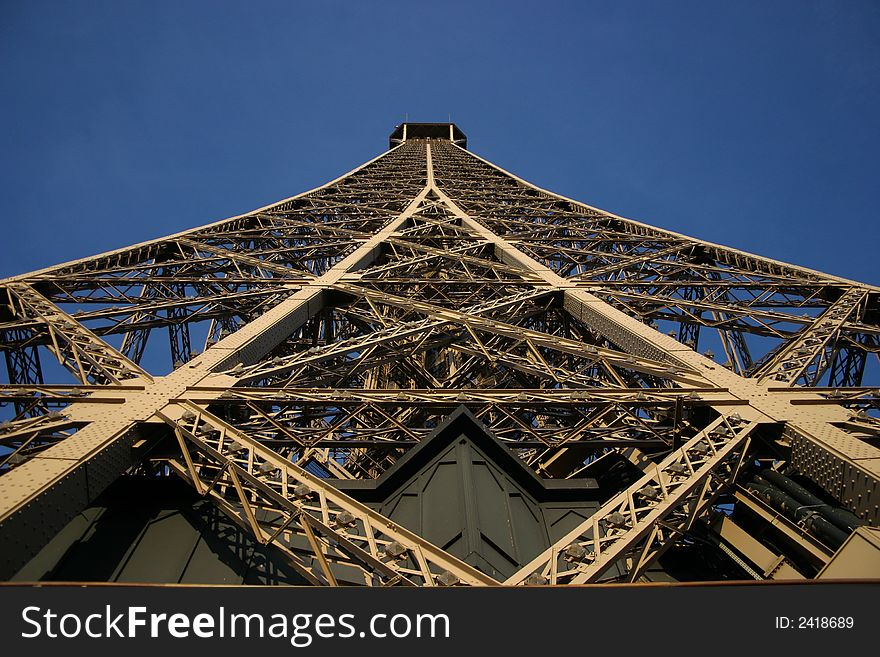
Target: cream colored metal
x,y
634,528
65,477
449,284
89,358
279,490
858,558
768,564
847,467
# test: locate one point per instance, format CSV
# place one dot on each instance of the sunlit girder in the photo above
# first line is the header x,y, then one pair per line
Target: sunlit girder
x,y
277,358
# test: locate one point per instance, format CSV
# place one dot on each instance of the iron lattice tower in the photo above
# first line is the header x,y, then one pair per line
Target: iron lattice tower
x,y
345,328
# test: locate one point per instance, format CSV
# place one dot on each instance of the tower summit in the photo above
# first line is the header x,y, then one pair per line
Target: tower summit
x,y
431,372
448,131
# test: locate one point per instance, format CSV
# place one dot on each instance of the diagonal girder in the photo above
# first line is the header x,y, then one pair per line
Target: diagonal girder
x,y
238,257
630,261
468,267
88,358
799,356
469,318
283,502
67,476
395,333
632,529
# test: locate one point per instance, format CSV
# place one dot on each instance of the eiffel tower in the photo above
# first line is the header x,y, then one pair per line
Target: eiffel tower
x,y
429,372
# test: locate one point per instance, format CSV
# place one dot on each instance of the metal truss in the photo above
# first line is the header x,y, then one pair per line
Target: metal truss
x,y
89,358
365,429
325,336
634,528
664,278
307,518
809,354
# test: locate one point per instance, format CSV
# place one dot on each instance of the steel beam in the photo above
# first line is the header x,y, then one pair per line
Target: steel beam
x,y
344,539
38,497
805,356
474,255
89,359
634,528
848,468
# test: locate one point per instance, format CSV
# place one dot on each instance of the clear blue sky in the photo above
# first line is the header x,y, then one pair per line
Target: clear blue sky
x,y
753,124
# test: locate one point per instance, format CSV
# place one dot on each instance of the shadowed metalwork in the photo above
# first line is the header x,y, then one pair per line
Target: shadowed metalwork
x,y
281,360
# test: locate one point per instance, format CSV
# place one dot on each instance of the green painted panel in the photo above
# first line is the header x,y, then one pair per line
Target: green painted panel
x,y
493,513
407,511
442,516
562,519
162,551
208,566
529,530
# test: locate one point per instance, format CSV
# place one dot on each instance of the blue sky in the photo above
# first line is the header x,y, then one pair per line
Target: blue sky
x,y
752,124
